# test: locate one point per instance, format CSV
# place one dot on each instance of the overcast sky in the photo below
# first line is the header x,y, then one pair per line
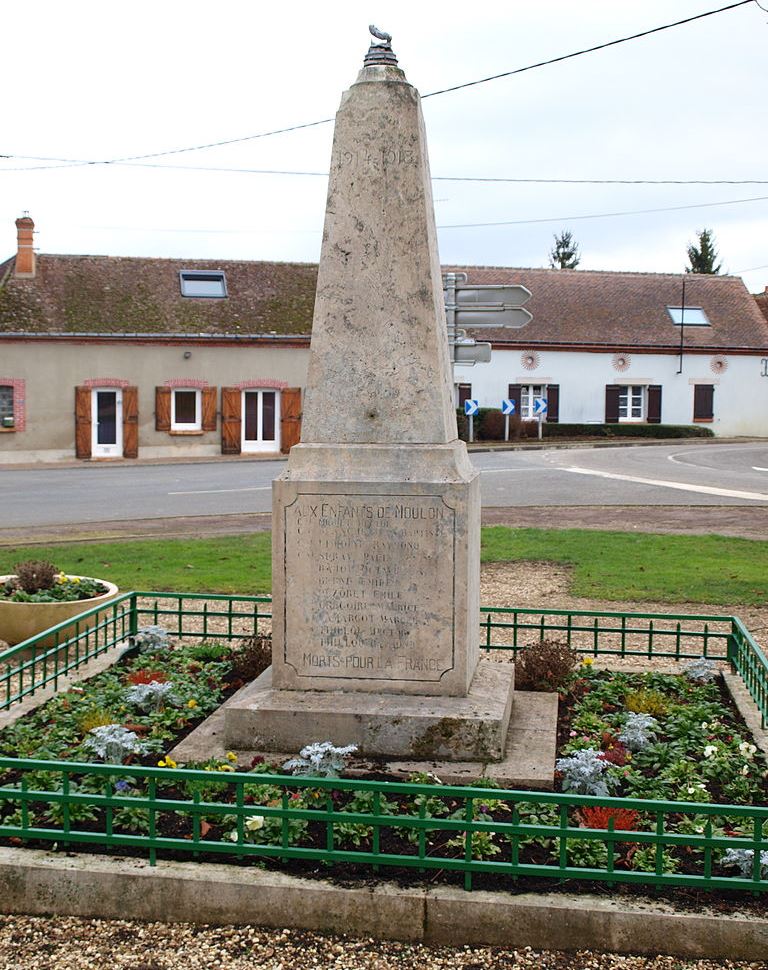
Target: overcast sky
x,y
105,79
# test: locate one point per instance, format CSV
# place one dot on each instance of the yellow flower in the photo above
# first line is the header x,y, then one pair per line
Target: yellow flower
x,y
231,756
167,762
587,661
191,703
226,767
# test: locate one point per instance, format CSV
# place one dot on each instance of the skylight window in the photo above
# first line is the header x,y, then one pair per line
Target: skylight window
x,y
690,316
202,283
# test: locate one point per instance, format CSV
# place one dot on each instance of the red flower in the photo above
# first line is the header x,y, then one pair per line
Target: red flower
x,y
598,817
147,676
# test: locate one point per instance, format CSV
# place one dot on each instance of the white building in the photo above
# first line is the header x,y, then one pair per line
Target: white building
x,y
619,347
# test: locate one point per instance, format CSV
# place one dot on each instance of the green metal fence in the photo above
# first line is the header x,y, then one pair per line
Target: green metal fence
x,y
41,661
378,825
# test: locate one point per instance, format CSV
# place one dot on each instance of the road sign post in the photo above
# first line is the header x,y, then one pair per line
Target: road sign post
x,y
470,409
539,410
507,408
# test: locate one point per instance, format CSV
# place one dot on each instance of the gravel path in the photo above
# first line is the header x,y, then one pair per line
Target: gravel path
x,y
35,943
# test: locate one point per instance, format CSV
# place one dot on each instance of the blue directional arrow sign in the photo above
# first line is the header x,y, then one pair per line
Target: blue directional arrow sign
x,y
471,407
539,405
507,406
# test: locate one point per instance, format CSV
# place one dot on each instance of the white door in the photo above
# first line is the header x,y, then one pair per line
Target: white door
x,y
107,423
261,421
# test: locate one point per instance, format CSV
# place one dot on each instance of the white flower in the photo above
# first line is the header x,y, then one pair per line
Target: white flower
x,y
232,836
699,829
704,725
254,822
745,770
710,751
747,749
691,791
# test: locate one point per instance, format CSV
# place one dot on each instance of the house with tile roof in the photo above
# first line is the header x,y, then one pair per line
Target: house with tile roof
x,y
107,357
608,347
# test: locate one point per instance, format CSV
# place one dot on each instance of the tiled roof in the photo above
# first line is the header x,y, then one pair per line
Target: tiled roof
x,y
115,294
626,309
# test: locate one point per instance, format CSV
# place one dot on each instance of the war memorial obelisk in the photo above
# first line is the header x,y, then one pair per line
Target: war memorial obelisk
x,y
376,519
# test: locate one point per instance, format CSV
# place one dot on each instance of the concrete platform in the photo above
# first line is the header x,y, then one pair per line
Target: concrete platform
x,y
412,726
528,761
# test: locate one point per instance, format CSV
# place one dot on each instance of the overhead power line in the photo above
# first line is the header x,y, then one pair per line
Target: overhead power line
x,y
436,178
66,162
605,215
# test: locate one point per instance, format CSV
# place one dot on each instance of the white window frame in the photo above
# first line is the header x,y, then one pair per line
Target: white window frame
x,y
251,445
527,393
634,392
690,316
197,424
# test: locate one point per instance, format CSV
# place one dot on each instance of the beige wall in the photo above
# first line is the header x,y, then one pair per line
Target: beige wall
x,y
53,369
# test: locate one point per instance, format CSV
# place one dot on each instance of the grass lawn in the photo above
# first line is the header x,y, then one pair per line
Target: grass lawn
x,y
607,565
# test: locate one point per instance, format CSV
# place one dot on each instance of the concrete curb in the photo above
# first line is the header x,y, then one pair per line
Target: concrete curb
x,y
36,882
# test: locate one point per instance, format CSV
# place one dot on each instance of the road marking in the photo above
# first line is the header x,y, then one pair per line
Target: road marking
x,y
491,471
681,486
218,491
757,468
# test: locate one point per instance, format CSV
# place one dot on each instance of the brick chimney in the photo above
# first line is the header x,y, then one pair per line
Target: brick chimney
x,y
25,254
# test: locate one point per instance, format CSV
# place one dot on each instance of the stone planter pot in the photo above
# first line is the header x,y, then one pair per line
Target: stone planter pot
x,y
20,621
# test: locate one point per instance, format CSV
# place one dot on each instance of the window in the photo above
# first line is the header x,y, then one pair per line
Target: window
x,y
690,316
631,402
6,406
703,402
185,410
527,394
202,283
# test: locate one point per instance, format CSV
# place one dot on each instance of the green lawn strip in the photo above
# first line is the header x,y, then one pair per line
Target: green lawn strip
x,y
607,565
631,566
232,564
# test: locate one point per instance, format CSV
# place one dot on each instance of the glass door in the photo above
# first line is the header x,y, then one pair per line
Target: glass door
x,y
107,423
261,421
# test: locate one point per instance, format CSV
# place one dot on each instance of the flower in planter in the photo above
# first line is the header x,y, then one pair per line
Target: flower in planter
x,y
113,743
37,581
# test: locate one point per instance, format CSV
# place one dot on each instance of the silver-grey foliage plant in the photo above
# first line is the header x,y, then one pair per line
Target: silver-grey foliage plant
x,y
113,743
701,670
638,731
744,860
152,696
151,638
321,759
583,773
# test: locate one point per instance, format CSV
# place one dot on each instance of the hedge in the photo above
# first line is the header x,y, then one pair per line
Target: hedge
x,y
489,426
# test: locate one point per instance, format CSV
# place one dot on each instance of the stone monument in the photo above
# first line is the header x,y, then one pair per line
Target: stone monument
x,y
376,519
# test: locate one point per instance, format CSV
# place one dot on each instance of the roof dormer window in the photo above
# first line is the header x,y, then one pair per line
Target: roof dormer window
x,y
207,283
689,316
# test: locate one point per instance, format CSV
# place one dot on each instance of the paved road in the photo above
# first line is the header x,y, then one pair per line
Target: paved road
x,y
658,475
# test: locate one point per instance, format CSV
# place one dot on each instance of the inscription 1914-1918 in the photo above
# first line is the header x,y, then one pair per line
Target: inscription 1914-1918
x,y
375,159
375,569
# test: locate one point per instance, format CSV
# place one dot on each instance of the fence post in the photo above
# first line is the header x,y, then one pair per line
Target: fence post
x,y
133,620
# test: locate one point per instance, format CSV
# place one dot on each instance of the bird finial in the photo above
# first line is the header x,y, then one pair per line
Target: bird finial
x,y
381,35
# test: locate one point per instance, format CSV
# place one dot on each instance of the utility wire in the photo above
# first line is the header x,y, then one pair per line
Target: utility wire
x,y
457,87
437,178
605,215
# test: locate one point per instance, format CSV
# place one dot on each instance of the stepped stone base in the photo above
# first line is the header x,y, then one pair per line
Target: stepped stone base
x,y
471,728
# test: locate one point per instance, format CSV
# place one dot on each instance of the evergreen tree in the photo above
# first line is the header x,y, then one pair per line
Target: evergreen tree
x,y
704,256
565,253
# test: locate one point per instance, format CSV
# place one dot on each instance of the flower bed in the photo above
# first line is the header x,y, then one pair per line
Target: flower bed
x,y
670,768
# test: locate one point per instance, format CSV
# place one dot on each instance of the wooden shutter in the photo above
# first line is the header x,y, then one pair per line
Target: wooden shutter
x,y
703,402
162,409
654,404
130,422
83,422
208,403
611,403
514,394
231,399
553,403
290,418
